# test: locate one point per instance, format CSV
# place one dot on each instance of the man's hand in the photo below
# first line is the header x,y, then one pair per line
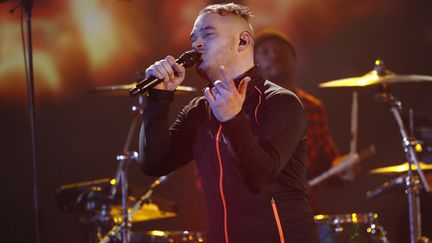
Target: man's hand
x,y
167,69
225,99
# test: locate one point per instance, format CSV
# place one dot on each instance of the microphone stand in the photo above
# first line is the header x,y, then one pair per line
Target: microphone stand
x,y
27,6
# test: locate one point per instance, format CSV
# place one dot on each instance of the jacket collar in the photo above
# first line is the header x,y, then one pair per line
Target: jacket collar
x,y
257,80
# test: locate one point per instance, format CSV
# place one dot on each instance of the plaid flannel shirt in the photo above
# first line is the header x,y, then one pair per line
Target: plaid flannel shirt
x,y
321,148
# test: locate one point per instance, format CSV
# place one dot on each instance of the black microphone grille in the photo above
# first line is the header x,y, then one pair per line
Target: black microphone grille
x,y
189,58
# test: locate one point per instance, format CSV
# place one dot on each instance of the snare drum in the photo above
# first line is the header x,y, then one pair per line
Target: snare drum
x,y
350,228
159,236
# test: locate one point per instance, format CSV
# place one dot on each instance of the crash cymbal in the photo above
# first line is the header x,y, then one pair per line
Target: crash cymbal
x,y
123,89
380,75
149,211
399,168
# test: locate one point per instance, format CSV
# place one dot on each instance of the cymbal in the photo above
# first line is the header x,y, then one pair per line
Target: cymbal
x,y
169,236
122,89
399,168
380,75
149,211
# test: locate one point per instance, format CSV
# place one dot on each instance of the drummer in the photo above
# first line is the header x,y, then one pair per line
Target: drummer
x,y
277,58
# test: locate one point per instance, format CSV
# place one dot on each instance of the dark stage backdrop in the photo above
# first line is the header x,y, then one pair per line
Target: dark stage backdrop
x,y
81,44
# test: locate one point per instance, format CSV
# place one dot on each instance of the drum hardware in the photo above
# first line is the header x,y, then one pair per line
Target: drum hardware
x,y
159,236
94,201
400,180
117,231
125,159
408,144
424,133
97,212
382,77
355,227
121,229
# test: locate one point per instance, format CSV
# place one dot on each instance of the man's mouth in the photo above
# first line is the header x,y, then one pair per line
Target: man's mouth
x,y
200,60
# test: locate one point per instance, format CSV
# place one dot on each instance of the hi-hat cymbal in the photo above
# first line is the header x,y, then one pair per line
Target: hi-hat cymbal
x,y
399,168
123,89
149,211
380,75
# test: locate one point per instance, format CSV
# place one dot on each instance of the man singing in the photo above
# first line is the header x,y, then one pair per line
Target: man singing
x,y
246,135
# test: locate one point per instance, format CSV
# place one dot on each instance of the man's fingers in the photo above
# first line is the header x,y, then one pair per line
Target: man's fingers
x,y
218,84
153,71
221,88
167,66
208,95
214,91
163,72
170,59
179,70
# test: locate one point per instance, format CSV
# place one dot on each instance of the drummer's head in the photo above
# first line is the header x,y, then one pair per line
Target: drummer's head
x,y
276,56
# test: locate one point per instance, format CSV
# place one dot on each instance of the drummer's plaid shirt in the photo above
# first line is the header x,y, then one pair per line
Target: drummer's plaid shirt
x,y
321,148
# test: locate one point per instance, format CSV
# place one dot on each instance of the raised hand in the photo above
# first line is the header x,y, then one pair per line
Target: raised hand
x,y
225,99
167,69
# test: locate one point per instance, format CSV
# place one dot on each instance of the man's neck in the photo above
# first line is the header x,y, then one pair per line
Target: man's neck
x,y
242,71
244,64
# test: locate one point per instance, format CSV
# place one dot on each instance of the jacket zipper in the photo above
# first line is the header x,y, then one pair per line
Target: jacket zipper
x,y
221,188
259,103
277,219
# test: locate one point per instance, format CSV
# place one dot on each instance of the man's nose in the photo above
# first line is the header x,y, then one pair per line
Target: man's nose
x,y
198,44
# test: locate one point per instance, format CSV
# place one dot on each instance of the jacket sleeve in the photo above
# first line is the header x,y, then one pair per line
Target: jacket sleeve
x,y
263,154
163,149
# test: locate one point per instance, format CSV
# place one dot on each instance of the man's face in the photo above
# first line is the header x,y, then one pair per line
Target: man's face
x,y
276,61
212,37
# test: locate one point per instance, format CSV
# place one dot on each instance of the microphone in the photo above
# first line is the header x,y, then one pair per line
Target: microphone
x,y
186,60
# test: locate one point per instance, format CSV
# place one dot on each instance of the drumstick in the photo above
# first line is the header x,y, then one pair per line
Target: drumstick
x,y
346,162
354,123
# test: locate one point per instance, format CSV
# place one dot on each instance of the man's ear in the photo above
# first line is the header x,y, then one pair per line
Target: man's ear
x,y
244,41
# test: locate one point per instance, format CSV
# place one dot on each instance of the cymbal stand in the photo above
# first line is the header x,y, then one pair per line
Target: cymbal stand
x,y
408,144
121,175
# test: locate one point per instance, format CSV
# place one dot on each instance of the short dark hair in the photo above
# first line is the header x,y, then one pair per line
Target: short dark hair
x,y
267,34
228,9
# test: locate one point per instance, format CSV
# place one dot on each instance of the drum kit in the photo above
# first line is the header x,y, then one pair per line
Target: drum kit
x,y
383,78
107,215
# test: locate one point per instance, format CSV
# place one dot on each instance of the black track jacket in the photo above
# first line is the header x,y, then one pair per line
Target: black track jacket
x,y
252,167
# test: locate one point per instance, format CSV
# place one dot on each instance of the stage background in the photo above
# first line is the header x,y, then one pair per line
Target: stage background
x,y
81,44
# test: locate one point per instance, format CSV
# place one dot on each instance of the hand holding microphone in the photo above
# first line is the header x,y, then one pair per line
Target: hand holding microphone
x,y
167,73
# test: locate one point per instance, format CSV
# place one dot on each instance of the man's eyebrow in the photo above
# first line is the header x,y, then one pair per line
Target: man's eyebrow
x,y
202,29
